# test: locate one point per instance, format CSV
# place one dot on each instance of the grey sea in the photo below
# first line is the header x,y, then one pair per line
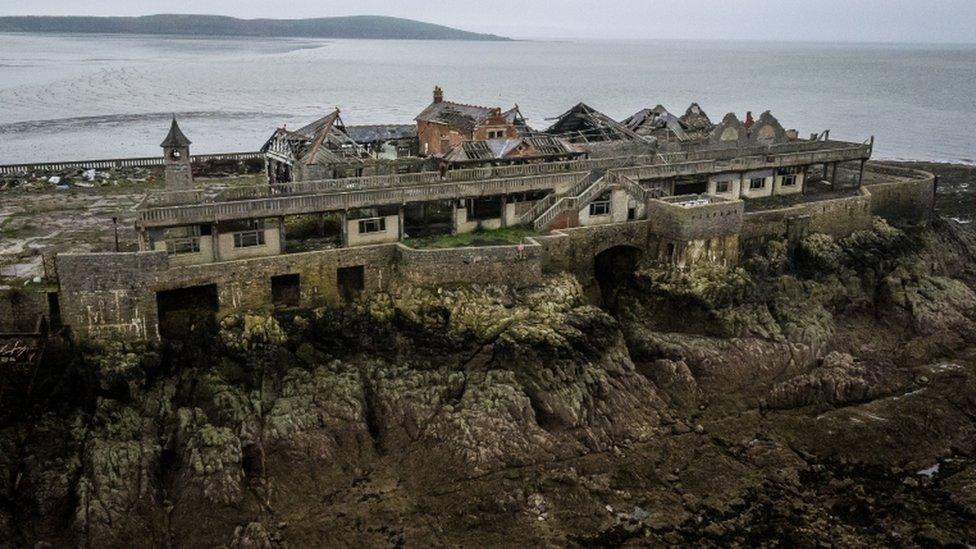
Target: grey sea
x,y
66,97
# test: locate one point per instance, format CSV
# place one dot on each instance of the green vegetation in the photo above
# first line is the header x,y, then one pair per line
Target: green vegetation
x,y
362,26
497,237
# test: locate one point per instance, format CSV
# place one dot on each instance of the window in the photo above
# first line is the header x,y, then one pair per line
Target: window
x,y
374,225
178,246
600,206
757,183
182,240
722,186
789,176
496,134
249,239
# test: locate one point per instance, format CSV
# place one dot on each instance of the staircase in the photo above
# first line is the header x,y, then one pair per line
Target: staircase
x,y
576,197
582,193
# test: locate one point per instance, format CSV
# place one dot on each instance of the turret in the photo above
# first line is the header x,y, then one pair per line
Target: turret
x,y
176,159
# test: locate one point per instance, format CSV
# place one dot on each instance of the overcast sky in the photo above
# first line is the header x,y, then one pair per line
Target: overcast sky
x,y
809,20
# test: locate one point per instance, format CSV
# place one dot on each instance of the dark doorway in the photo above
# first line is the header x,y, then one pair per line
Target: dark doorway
x,y
286,290
54,310
483,208
614,267
690,187
187,311
352,281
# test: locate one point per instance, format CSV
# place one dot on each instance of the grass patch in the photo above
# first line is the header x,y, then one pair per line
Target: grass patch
x,y
497,237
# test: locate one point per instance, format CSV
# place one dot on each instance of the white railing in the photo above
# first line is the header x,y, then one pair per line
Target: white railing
x,y
292,205
110,163
568,202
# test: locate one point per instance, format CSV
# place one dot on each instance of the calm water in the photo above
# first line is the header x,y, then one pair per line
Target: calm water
x,y
64,97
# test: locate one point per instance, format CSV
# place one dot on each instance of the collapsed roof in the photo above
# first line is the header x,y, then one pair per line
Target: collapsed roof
x,y
324,141
695,119
540,146
652,121
381,132
584,124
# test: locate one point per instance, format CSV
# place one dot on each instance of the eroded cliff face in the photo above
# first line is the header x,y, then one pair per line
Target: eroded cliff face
x,y
819,394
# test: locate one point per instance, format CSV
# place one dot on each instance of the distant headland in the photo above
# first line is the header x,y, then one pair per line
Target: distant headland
x,y
361,26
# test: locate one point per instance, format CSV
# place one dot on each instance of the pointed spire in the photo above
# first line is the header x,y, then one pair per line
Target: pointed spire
x,y
175,139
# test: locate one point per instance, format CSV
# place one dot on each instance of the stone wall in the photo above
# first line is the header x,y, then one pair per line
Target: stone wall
x,y
908,199
477,265
109,295
114,295
575,249
837,217
675,222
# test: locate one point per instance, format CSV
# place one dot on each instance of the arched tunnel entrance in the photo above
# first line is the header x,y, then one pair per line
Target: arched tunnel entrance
x,y
612,268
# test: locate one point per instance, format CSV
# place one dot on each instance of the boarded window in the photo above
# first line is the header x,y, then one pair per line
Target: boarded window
x,y
352,281
286,290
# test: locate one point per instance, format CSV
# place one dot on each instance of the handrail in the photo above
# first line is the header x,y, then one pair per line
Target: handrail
x,y
289,205
570,201
464,187
136,162
518,170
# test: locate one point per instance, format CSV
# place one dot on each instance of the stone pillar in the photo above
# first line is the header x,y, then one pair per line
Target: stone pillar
x,y
860,175
344,229
833,175
215,241
281,233
454,216
320,224
401,220
502,199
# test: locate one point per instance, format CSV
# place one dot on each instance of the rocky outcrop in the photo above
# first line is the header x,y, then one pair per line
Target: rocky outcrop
x,y
840,379
795,399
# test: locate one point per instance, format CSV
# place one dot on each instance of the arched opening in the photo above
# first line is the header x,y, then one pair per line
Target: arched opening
x,y
612,268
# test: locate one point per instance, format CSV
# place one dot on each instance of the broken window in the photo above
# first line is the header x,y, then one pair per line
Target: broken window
x,y
248,239
182,240
374,225
757,183
789,176
722,186
248,234
601,206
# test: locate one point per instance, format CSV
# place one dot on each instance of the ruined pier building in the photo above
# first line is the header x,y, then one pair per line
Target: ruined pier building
x,y
713,192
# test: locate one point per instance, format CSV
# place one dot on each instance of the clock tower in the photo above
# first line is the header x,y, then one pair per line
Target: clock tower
x,y
176,159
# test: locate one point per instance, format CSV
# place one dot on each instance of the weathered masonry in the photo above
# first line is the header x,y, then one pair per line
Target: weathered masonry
x,y
675,190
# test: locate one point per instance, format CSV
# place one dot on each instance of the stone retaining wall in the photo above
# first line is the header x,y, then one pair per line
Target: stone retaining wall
x,y
482,265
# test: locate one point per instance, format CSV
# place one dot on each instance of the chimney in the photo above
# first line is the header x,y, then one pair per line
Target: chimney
x,y
438,94
749,120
